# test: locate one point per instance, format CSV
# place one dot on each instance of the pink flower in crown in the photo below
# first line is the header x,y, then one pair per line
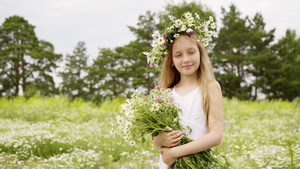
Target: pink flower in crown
x,y
171,99
158,100
151,64
190,31
164,35
202,27
158,87
162,59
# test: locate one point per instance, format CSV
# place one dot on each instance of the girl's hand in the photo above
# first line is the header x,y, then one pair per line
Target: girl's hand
x,y
169,139
168,156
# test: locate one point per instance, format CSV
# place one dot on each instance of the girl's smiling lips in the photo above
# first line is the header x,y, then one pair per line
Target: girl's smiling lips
x,y
187,66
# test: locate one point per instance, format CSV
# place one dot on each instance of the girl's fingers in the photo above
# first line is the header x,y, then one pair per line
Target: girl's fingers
x,y
169,128
178,138
175,134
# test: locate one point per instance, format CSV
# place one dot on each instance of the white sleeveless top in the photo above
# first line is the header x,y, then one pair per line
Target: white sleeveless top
x,y
192,115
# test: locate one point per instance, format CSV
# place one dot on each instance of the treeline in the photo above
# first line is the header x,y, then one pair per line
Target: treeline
x,y
247,61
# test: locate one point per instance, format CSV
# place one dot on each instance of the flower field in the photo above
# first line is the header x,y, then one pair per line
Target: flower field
x,y
56,133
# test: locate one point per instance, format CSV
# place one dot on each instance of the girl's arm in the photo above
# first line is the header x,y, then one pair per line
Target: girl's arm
x,y
169,139
211,139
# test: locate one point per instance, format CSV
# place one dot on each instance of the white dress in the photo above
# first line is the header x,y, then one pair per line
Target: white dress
x,y
192,115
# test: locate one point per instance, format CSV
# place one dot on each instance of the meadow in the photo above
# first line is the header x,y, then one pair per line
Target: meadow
x,y
53,132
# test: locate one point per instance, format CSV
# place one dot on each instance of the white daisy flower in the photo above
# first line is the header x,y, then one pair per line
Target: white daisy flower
x,y
132,143
128,125
183,28
205,43
161,40
171,17
209,33
178,23
176,35
188,15
197,16
211,18
155,107
190,20
213,25
155,34
120,119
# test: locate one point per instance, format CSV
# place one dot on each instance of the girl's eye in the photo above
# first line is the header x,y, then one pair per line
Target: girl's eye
x,y
191,52
178,55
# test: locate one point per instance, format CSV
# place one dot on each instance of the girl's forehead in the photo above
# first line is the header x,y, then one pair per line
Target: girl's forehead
x,y
184,42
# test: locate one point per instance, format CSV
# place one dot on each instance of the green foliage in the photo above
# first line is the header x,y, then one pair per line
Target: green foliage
x,y
230,54
25,61
74,74
284,68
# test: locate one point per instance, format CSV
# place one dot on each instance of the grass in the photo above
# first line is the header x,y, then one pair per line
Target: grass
x,y
54,132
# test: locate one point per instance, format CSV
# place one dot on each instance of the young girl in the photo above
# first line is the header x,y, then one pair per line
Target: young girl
x,y
188,72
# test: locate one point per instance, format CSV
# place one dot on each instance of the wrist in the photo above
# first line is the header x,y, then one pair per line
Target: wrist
x,y
175,151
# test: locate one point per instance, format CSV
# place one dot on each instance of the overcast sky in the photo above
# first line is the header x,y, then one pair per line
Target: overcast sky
x,y
103,23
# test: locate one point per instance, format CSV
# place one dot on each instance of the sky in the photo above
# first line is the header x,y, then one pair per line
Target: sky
x,y
103,23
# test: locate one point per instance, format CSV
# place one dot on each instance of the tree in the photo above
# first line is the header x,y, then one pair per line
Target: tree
x,y
284,68
138,69
106,76
21,58
45,63
74,73
260,44
230,54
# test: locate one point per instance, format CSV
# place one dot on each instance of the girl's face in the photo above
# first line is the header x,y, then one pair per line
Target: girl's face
x,y
186,55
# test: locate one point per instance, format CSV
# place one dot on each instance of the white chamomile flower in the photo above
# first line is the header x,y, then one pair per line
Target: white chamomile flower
x,y
190,20
155,107
188,15
178,23
166,52
183,28
211,18
213,25
171,17
120,119
154,44
161,40
155,34
132,143
205,43
209,33
197,16
128,125
176,35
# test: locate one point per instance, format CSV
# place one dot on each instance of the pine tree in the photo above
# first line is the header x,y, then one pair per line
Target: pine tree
x,y
75,72
283,70
260,47
230,54
23,59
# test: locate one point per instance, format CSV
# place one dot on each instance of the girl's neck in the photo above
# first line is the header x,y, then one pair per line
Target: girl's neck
x,y
188,81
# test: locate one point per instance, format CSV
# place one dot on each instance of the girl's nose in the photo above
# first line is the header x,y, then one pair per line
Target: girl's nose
x,y
185,59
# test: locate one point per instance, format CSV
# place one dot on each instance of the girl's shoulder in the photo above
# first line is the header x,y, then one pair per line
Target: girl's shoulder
x,y
214,85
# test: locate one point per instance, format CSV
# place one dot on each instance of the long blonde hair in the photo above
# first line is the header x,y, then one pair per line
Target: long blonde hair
x,y
170,76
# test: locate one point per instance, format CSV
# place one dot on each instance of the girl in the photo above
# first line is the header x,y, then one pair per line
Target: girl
x,y
188,72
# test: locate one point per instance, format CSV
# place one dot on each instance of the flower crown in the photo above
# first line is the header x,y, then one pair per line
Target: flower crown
x,y
187,24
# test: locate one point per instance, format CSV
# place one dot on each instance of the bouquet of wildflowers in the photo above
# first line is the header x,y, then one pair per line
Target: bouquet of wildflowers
x,y
146,116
